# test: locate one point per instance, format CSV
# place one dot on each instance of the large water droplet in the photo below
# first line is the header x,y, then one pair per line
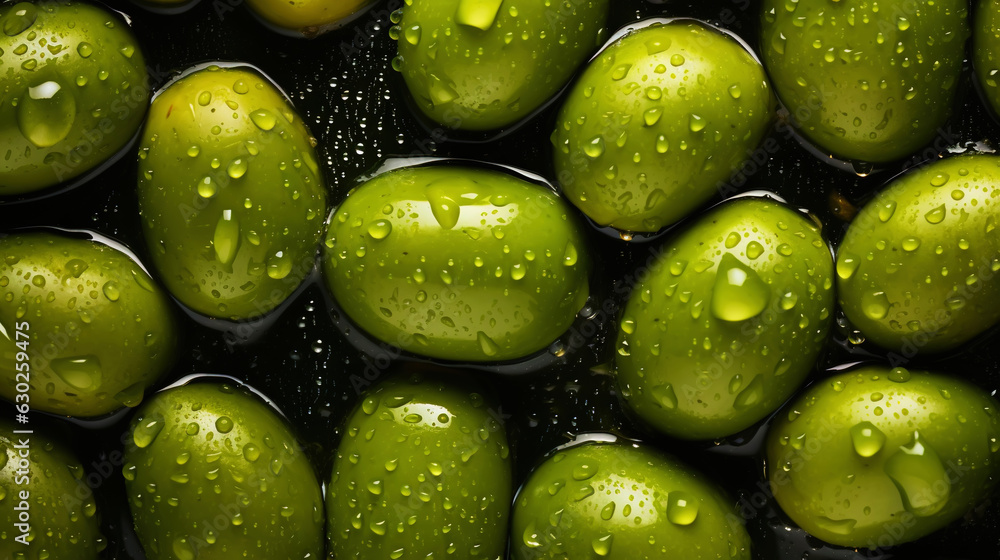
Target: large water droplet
x,y
752,395
20,17
868,439
237,168
81,372
739,293
227,238
46,115
279,265
380,229
264,119
147,430
682,508
697,123
595,148
665,396
920,477
486,344
875,305
602,544
846,266
936,215
445,208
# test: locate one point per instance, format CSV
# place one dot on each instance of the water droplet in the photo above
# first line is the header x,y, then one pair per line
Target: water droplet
x,y
836,526
886,210
911,244
47,114
183,549
20,17
206,187
279,266
608,511
734,91
920,477
584,471
530,537
936,215
380,229
570,256
227,238
754,250
875,305
224,424
676,60
652,116
739,293
595,148
868,439
81,372
788,300
237,168
682,508
665,396
751,396
251,452
602,544
696,123
620,72
147,430
486,344
899,375
846,266
264,119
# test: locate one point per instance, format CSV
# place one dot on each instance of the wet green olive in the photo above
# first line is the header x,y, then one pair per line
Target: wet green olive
x,y
46,507
917,268
308,18
212,473
617,500
457,263
84,326
75,91
866,81
423,471
877,457
231,195
658,123
486,64
728,322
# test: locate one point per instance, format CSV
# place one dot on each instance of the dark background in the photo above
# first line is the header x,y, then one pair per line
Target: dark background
x,y
313,366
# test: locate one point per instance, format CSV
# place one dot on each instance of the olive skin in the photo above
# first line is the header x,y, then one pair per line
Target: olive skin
x,y
619,500
457,263
63,517
80,84
308,18
87,328
522,54
728,322
658,123
916,270
986,51
423,470
213,473
878,457
866,81
230,192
